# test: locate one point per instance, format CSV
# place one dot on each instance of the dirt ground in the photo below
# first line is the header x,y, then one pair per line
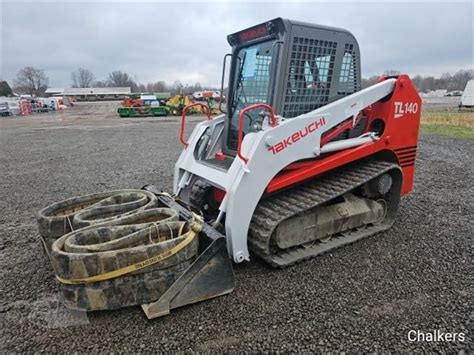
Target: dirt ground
x,y
364,297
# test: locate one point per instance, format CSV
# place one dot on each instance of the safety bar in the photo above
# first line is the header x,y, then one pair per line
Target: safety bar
x,y
273,123
183,119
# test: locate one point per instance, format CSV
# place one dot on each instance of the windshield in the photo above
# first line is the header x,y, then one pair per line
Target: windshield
x,y
252,73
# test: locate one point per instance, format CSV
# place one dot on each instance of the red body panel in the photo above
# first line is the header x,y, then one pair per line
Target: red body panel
x,y
401,116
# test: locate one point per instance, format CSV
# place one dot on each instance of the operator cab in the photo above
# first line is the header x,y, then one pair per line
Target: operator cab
x,y
293,66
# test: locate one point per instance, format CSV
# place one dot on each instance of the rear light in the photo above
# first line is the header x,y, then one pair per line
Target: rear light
x,y
253,33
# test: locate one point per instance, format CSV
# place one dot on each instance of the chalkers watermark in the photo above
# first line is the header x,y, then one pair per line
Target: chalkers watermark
x,y
46,311
435,336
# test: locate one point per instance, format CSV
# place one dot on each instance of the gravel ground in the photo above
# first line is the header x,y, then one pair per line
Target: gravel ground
x,y
366,297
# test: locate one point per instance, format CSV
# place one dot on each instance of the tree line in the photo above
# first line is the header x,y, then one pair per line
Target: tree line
x,y
84,78
34,81
454,82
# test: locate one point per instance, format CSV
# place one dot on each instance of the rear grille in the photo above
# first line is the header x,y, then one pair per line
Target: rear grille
x,y
406,156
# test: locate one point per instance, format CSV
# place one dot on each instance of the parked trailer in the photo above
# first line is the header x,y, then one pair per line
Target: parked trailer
x,y
144,105
467,98
143,111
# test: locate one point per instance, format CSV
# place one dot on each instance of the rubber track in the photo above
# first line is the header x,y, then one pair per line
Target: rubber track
x,y
272,211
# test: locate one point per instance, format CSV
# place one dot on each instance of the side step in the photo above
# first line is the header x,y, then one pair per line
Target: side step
x,y
210,275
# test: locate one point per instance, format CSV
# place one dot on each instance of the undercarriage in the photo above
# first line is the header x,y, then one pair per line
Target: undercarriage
x,y
325,213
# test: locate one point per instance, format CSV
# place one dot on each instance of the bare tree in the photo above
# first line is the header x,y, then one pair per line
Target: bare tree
x,y
160,86
31,80
177,87
118,78
197,86
461,77
100,84
5,89
417,81
82,78
391,72
366,82
142,88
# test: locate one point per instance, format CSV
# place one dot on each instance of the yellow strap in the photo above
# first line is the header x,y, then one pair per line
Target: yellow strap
x,y
195,229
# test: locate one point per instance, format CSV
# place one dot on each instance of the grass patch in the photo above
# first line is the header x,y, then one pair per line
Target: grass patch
x,y
448,130
451,117
448,122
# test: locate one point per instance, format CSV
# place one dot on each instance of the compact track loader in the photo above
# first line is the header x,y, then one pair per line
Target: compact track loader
x,y
303,161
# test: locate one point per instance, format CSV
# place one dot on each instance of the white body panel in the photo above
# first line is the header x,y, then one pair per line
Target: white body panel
x,y
245,183
467,98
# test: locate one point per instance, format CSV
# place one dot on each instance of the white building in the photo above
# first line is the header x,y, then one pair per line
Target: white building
x,y
91,94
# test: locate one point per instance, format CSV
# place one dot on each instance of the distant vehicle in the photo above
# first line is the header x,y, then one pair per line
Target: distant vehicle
x,y
148,97
203,95
454,93
4,109
436,93
467,98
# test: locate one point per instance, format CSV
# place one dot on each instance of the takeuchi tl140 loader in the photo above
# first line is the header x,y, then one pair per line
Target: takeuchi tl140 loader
x,y
302,161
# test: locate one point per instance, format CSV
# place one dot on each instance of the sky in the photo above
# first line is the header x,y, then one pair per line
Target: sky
x,y
171,41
